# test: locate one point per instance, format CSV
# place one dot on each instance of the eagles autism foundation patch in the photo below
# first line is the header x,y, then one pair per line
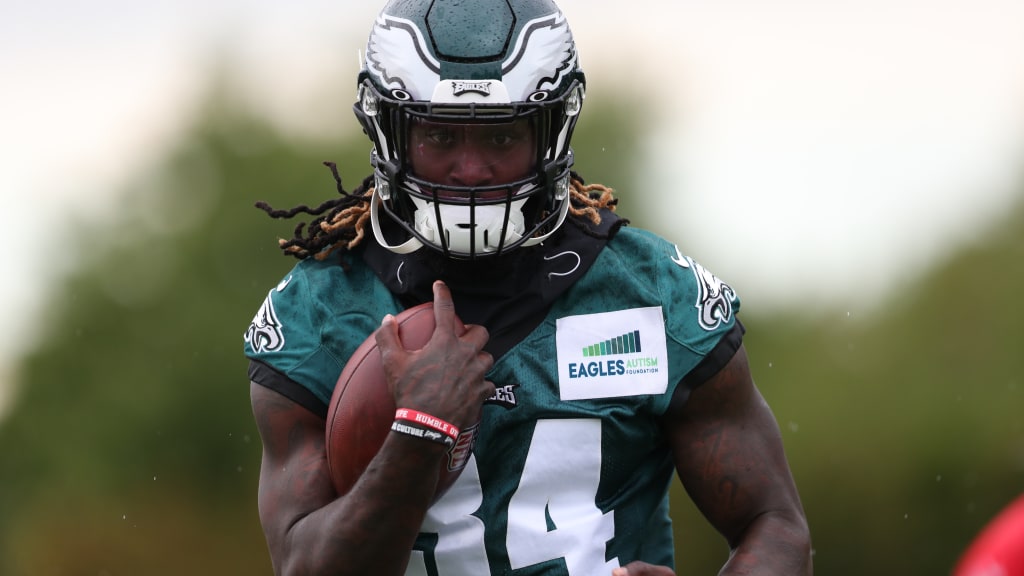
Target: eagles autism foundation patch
x,y
612,354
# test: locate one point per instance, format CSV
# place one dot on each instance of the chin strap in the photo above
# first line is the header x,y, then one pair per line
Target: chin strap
x,y
411,245
563,211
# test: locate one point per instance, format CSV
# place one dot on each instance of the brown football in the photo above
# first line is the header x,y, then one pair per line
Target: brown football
x,y
362,409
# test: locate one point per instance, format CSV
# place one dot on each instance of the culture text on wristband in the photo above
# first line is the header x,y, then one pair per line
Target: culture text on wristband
x,y
418,431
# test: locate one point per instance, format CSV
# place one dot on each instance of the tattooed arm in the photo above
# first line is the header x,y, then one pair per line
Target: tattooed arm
x,y
371,529
309,529
728,453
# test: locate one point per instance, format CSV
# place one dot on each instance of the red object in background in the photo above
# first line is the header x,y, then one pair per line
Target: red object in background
x,y
999,549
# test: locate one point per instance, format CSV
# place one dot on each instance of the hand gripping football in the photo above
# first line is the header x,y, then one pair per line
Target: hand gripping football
x,y
362,409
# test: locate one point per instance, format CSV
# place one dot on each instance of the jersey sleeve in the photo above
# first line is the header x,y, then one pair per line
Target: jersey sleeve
x,y
309,325
700,316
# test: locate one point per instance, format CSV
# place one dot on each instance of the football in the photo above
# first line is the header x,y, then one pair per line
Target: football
x,y
362,409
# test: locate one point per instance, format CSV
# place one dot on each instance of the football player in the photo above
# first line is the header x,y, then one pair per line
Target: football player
x,y
598,362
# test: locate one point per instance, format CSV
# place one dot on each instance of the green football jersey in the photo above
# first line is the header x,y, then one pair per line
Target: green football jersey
x,y
569,470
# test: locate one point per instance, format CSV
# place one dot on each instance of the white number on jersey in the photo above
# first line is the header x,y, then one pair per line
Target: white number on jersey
x,y
551,515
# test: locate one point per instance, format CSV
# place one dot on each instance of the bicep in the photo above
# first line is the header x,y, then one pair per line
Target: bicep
x,y
728,450
294,477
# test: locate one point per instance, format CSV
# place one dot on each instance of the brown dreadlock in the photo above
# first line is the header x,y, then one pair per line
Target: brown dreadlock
x,y
340,223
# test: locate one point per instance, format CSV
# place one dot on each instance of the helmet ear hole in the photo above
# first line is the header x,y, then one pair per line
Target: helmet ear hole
x,y
383,188
562,188
368,101
574,102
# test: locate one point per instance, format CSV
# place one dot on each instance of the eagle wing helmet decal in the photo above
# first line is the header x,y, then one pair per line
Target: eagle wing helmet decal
x,y
543,56
392,41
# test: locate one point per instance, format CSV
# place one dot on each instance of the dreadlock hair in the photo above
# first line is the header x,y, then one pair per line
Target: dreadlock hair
x,y
585,204
340,223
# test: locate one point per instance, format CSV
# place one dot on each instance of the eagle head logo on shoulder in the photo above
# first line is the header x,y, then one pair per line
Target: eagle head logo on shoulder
x,y
715,298
264,333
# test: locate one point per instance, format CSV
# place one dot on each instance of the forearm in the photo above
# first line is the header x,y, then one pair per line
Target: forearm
x,y
774,544
372,528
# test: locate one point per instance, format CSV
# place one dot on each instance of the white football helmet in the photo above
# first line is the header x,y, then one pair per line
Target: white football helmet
x,y
456,66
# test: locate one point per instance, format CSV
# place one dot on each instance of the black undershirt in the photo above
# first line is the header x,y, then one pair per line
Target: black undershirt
x,y
510,295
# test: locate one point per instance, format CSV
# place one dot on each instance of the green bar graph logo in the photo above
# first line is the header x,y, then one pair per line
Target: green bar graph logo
x,y
628,343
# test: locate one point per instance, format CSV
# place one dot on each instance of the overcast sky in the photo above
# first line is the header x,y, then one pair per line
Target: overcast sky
x,y
814,150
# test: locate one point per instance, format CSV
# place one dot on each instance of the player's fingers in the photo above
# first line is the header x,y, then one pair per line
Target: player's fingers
x,y
444,308
476,335
489,390
484,361
638,568
387,336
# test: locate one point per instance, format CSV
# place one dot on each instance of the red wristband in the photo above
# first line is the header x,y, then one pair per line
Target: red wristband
x,y
427,420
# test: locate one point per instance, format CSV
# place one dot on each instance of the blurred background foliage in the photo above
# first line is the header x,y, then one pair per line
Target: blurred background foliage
x,y
131,450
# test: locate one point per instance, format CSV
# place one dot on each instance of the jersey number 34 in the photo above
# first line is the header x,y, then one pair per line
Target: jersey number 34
x,y
552,514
